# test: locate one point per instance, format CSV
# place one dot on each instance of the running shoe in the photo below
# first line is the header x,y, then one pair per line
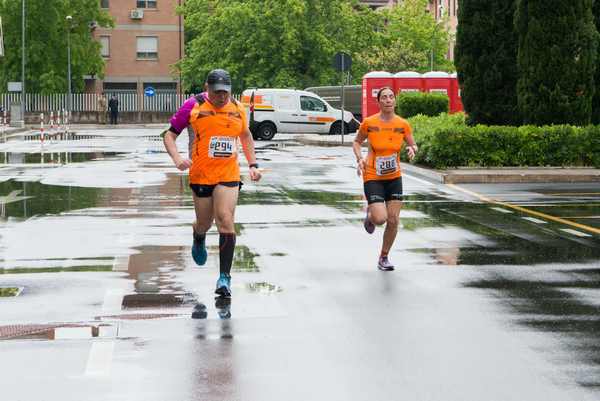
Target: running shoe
x,y
369,226
384,264
223,306
199,253
224,285
199,311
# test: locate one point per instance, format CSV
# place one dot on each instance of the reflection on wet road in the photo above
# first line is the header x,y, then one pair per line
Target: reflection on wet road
x,y
496,295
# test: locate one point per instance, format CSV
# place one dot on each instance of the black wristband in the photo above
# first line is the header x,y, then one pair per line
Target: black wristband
x,y
255,165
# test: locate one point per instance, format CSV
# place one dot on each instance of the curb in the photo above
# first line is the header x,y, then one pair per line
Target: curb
x,y
506,175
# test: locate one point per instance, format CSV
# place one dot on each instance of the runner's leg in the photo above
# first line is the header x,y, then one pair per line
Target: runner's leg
x,y
203,207
225,199
391,228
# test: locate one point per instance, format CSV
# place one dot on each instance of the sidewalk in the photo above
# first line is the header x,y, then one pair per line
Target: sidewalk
x,y
474,175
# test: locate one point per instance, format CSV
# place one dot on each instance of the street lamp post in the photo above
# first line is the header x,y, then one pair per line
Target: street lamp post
x,y
69,19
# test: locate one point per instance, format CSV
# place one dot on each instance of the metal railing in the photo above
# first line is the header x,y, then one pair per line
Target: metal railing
x,y
129,101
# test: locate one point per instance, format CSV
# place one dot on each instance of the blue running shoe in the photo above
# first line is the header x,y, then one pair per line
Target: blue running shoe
x,y
224,285
199,253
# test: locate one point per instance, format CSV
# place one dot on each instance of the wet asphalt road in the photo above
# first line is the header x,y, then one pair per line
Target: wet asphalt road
x,y
495,297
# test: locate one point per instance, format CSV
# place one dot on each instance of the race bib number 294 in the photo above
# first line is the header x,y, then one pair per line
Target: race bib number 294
x,y
221,147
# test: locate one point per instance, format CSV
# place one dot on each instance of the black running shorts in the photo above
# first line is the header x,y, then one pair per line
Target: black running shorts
x,y
383,190
206,191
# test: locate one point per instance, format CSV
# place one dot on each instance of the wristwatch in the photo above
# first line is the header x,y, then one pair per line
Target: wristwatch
x,y
255,165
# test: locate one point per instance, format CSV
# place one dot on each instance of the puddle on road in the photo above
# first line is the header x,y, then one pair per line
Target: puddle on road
x,y
552,305
243,259
263,288
26,199
33,270
58,331
10,291
54,157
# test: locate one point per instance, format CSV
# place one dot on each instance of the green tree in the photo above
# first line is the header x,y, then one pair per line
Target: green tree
x,y
274,43
405,37
486,61
556,61
46,43
596,98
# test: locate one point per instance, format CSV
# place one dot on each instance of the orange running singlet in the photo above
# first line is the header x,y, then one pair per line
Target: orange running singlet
x,y
385,140
214,156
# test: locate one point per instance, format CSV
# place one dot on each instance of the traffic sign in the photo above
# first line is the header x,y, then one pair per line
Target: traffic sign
x,y
342,61
149,91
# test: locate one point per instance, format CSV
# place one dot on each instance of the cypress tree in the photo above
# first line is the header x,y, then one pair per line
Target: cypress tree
x,y
596,99
556,60
486,61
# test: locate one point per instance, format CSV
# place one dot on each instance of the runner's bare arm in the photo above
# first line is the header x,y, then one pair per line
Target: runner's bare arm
x,y
248,146
169,140
412,145
356,147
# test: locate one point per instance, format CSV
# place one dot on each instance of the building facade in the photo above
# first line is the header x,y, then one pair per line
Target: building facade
x,y
142,47
446,9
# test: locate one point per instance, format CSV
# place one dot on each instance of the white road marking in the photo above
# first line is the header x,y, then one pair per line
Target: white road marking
x,y
534,220
575,232
113,299
501,210
417,179
100,359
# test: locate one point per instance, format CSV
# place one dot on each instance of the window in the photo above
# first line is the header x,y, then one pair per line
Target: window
x,y
105,43
311,104
146,3
104,4
147,47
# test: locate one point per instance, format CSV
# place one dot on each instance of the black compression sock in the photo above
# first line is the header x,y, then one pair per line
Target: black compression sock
x,y
199,237
226,249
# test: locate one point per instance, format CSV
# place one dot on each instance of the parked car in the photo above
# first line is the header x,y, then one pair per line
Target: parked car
x,y
293,111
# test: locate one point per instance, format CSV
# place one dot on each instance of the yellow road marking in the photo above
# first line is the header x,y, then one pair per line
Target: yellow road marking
x,y
528,211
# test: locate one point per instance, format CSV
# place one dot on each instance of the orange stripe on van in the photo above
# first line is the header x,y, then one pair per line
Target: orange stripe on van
x,y
322,119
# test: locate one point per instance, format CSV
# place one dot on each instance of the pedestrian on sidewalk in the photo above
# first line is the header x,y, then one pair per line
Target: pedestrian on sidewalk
x,y
113,106
385,132
219,123
102,109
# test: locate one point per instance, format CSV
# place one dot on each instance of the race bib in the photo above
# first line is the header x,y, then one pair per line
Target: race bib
x,y
221,147
386,164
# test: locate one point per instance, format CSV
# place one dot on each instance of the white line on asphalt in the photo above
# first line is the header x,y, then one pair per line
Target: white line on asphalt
x,y
499,209
417,179
100,358
533,219
113,299
575,232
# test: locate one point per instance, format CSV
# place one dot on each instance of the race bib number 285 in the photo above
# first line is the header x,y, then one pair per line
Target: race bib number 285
x,y
386,164
221,147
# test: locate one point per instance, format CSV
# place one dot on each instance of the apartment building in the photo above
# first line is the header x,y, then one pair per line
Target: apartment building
x,y
142,47
443,9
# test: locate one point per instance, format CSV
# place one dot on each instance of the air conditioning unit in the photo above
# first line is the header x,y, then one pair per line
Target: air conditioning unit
x,y
136,14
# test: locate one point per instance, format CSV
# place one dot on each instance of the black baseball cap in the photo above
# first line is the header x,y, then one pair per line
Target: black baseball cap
x,y
219,80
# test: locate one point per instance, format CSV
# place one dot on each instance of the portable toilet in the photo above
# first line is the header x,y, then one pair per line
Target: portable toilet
x,y
408,81
455,99
371,83
439,82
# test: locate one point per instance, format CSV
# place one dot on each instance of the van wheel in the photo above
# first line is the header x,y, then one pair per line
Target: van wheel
x,y
266,131
336,128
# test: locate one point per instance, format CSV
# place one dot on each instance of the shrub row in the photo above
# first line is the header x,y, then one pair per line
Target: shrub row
x,y
409,104
446,141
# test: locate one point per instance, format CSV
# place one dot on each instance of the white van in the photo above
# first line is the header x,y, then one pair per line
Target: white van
x,y
292,111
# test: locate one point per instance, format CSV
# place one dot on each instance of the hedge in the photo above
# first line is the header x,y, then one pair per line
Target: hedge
x,y
446,141
409,104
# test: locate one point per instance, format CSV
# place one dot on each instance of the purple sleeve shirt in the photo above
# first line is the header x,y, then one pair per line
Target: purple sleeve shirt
x,y
181,118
